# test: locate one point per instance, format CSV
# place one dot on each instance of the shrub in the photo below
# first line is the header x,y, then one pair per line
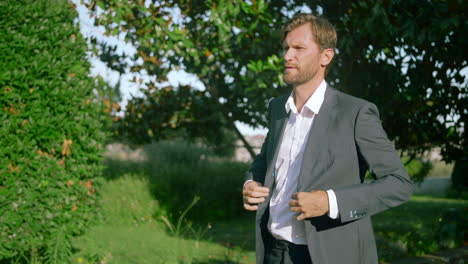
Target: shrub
x,y
178,171
417,168
50,133
181,171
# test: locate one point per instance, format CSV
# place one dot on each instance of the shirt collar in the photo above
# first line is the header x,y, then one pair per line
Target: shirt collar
x,y
312,104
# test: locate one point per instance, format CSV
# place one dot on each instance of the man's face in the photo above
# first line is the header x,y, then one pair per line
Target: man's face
x,y
302,56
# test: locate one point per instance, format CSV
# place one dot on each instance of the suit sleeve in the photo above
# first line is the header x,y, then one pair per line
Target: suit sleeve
x,y
258,169
391,186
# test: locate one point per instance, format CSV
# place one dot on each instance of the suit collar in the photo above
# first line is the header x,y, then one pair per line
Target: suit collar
x,y
330,99
312,104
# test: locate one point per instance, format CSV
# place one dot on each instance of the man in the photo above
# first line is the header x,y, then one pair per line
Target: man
x,y
307,184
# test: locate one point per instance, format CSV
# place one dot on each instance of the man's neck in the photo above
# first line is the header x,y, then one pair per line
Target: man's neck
x,y
303,92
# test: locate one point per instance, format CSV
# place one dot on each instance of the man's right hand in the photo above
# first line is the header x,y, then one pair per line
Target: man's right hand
x,y
254,194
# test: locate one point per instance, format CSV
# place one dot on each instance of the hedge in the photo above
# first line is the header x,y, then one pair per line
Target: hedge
x,y
51,132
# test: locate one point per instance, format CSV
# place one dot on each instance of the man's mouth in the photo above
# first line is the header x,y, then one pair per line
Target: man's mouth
x,y
289,67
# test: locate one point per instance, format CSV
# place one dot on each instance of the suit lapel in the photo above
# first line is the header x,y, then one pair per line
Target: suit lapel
x,y
317,140
280,118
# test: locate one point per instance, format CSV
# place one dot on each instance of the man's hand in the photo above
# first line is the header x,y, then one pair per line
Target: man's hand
x,y
254,194
309,204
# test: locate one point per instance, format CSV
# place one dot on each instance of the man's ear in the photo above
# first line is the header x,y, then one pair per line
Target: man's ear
x,y
326,57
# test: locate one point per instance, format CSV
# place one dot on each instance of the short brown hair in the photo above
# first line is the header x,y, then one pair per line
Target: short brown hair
x,y
323,31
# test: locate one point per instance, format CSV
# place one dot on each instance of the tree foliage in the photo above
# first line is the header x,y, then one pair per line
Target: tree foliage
x,y
222,43
51,133
406,56
167,113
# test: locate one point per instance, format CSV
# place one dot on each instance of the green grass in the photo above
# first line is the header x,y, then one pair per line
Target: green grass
x,y
138,195
415,228
150,244
128,200
131,232
423,225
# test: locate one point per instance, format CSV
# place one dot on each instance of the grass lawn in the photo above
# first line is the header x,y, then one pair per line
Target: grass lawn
x,y
134,227
410,229
131,232
149,243
423,225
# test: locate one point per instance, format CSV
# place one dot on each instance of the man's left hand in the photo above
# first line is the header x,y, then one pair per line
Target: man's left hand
x,y
309,204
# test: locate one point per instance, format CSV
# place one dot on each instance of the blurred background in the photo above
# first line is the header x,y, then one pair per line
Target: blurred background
x,y
127,126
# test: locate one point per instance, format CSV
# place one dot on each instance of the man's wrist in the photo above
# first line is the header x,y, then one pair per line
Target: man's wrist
x,y
328,201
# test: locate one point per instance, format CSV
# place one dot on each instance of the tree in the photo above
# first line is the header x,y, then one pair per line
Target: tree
x,y
51,133
406,56
222,43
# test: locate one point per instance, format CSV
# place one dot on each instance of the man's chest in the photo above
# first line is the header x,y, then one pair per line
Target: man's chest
x,y
295,136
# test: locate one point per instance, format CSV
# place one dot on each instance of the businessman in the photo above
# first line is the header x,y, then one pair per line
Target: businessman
x,y
307,184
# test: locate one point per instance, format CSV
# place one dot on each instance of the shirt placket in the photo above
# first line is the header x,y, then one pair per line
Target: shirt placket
x,y
282,166
295,147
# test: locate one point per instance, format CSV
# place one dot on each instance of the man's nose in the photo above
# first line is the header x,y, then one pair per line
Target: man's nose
x,y
287,54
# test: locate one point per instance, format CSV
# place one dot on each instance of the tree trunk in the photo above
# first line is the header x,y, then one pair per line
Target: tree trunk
x,y
459,179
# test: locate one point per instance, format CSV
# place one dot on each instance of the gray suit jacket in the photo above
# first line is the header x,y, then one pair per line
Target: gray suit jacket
x,y
346,140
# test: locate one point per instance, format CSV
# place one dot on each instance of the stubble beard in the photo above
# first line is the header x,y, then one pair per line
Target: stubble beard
x,y
299,78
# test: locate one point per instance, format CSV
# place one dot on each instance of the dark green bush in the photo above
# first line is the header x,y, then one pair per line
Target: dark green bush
x,y
50,133
417,168
176,153
178,171
190,170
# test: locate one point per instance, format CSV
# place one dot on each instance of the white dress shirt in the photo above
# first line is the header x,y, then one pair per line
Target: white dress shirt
x,y
282,222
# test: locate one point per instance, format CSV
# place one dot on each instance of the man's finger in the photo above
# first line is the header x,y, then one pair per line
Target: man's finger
x,y
247,193
251,200
293,203
301,217
250,207
254,185
295,209
294,196
261,189
259,194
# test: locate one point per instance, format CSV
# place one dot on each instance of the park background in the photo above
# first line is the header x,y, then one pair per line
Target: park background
x,y
89,174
